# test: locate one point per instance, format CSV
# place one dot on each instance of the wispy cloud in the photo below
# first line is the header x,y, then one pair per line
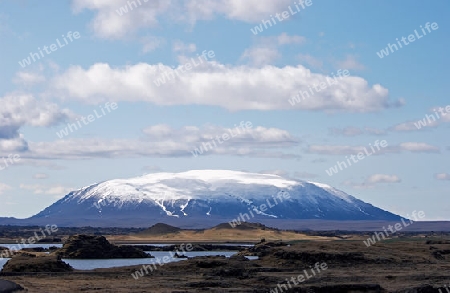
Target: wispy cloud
x,y
415,147
164,141
351,63
4,187
107,24
373,180
442,176
55,190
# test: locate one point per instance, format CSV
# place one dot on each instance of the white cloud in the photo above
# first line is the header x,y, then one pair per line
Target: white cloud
x,y
335,149
12,144
416,147
214,84
4,187
428,121
373,180
28,78
57,190
261,56
350,63
22,109
281,40
410,126
383,178
285,39
107,22
419,147
374,131
40,176
179,46
151,43
310,60
18,110
347,131
355,131
281,173
165,141
442,176
265,51
254,137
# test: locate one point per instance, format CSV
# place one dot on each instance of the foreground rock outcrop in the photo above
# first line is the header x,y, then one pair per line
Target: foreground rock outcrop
x,y
97,247
28,263
8,286
399,266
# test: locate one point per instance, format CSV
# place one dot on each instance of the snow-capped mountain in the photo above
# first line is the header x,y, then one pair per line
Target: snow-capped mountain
x,y
204,198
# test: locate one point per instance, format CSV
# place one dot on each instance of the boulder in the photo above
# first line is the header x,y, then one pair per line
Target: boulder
x,y
97,247
22,263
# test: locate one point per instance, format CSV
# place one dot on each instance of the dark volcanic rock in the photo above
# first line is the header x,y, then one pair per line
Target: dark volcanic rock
x,y
195,247
210,261
35,249
9,287
27,263
97,247
50,240
421,289
346,288
245,226
262,248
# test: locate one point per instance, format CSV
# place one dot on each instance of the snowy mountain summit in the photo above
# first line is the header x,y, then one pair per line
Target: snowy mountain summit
x,y
208,196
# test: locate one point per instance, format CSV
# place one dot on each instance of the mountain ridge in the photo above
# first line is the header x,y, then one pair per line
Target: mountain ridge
x,y
217,195
203,197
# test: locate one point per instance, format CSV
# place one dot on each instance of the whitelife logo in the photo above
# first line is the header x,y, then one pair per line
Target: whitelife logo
x,y
86,120
225,136
37,56
318,268
170,74
262,208
411,38
23,243
281,16
360,156
124,9
166,259
331,81
432,118
9,161
393,229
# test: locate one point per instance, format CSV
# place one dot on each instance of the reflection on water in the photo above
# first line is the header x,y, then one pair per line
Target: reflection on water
x,y
170,244
16,246
3,261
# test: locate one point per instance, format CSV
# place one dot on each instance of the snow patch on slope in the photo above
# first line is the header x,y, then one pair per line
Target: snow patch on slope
x,y
334,191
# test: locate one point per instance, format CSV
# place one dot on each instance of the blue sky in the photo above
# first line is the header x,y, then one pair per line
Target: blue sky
x,y
117,59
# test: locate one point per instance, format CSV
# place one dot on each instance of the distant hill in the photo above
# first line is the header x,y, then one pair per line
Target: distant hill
x,y
244,226
160,229
246,232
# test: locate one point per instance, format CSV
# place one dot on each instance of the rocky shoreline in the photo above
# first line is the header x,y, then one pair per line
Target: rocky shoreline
x,y
416,265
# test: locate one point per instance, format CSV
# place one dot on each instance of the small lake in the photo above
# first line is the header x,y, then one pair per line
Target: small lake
x,y
43,245
90,264
169,244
